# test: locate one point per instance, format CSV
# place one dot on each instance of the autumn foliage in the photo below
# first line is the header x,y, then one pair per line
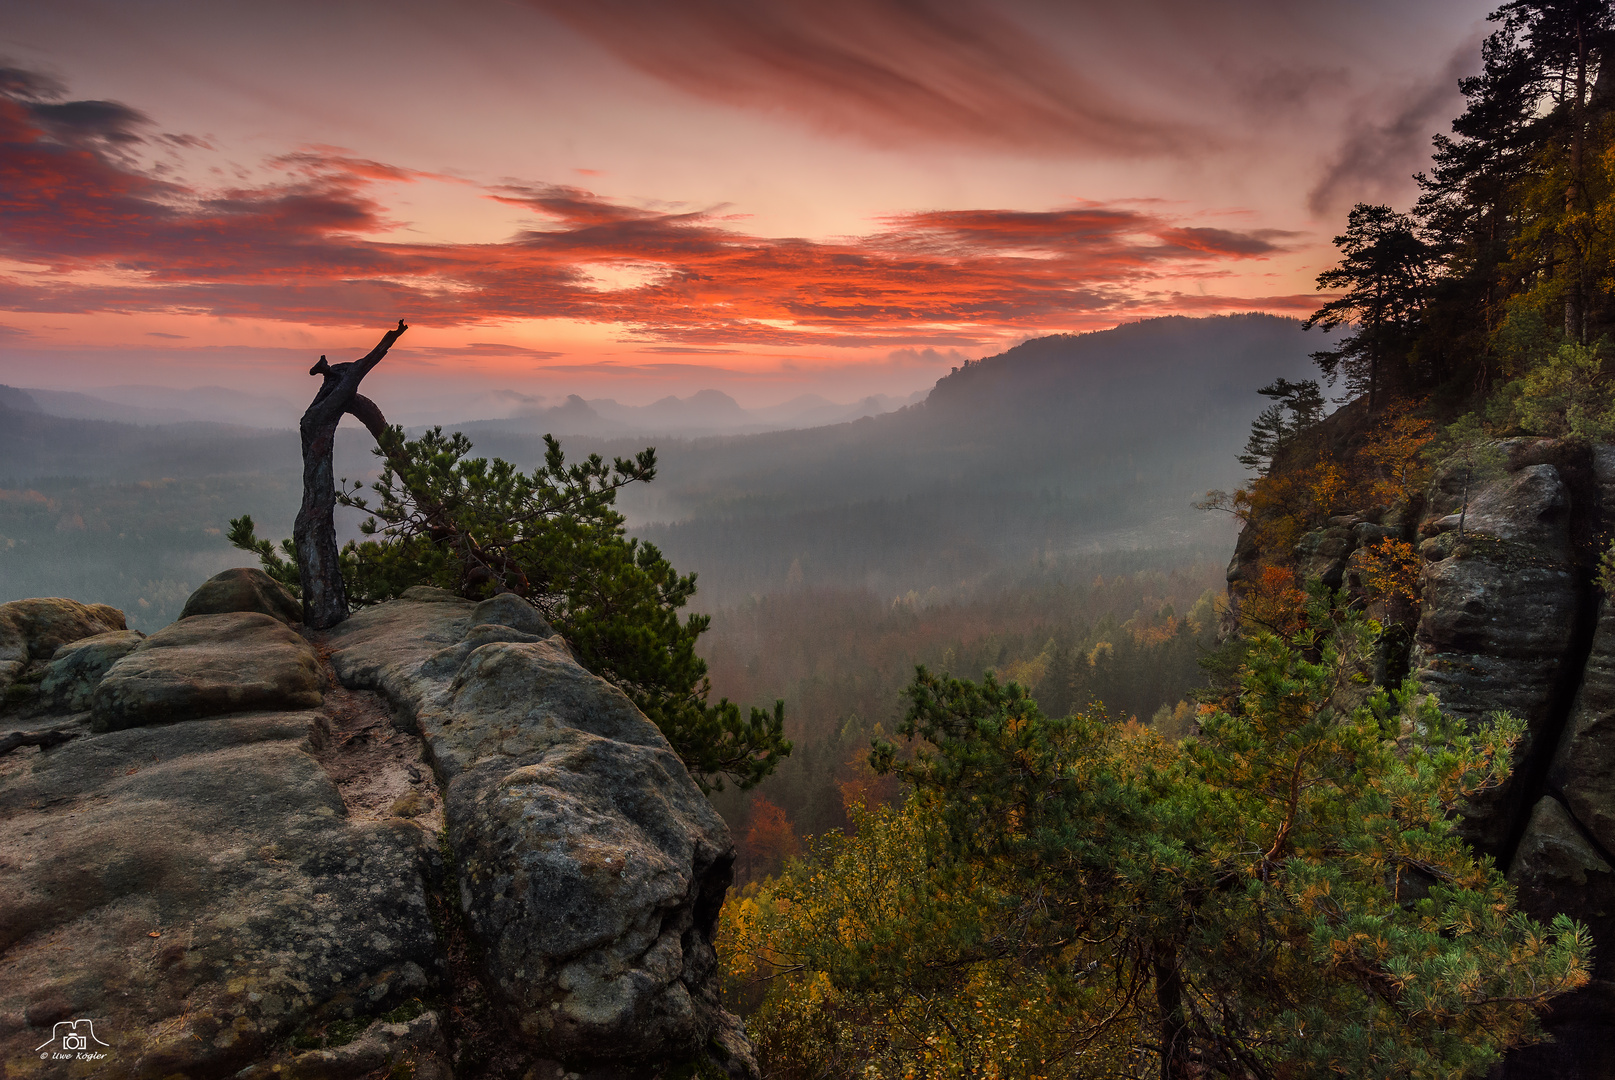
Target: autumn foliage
x,y
1273,603
770,839
1079,898
1390,571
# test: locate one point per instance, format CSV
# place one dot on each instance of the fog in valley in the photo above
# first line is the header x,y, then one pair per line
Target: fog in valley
x,y
1031,514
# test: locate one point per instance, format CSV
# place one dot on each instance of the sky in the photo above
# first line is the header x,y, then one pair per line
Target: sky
x,y
630,198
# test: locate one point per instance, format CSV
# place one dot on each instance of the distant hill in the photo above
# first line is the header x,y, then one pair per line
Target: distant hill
x,y
706,412
1063,445
139,404
34,443
17,400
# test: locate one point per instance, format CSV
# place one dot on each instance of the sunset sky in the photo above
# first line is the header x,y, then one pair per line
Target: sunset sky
x,y
629,199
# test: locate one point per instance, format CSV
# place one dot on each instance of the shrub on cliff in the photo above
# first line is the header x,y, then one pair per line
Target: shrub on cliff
x,y
1281,894
474,526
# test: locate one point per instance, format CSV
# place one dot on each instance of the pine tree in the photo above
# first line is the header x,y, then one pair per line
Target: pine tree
x,y
1281,894
1383,272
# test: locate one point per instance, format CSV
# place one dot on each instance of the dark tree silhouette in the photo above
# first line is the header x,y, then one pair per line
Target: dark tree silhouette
x,y
324,602
1383,273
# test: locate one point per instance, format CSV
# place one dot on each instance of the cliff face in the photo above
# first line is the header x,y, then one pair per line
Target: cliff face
x,y
428,843
1511,620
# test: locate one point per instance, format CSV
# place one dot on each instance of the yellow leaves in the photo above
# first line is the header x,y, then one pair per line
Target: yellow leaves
x,y
1327,486
1390,572
1394,453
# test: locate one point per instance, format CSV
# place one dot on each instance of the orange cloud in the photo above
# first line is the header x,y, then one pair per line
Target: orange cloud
x,y
304,250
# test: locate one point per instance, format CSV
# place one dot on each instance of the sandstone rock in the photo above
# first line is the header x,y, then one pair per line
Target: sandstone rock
x,y
207,665
1509,612
1554,852
591,868
1557,869
1530,508
76,668
1583,769
32,630
594,886
244,589
225,840
1322,553
382,648
1500,612
508,609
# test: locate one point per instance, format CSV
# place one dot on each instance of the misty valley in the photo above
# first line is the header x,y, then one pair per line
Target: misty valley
x,y
1035,510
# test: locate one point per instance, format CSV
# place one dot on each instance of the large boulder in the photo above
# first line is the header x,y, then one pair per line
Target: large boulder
x,y
591,868
32,630
1501,608
208,665
1555,861
244,588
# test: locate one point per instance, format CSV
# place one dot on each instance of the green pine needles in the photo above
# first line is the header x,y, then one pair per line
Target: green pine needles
x,y
441,517
1280,894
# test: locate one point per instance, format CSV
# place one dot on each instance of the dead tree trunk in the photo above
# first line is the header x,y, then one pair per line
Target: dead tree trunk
x,y
324,602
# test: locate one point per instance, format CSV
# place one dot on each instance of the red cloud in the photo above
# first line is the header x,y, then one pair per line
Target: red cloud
x,y
950,70
302,251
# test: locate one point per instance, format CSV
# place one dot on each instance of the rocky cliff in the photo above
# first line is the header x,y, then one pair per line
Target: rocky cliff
x,y
1510,619
425,844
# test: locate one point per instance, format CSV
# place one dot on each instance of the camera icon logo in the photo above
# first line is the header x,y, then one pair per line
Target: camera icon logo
x,y
73,1035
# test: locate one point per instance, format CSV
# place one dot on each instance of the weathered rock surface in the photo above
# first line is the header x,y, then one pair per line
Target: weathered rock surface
x,y
201,891
77,667
32,630
591,869
1556,868
1583,769
1502,606
244,588
205,666
198,891
1513,621
414,1048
